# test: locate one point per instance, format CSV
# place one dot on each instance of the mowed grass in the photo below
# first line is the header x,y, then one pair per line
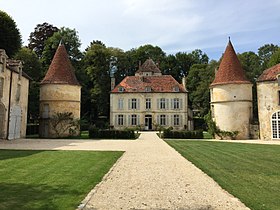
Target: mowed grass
x,y
50,179
248,171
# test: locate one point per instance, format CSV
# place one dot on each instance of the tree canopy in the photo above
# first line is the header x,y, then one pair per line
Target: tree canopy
x,y
39,36
10,38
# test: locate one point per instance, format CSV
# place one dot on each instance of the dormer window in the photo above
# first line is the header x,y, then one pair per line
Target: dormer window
x,y
176,89
148,89
121,89
278,79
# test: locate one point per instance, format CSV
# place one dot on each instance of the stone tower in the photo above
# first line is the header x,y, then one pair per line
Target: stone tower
x,y
60,92
231,96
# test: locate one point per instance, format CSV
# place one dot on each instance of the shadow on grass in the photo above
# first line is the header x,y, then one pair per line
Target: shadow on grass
x,y
11,154
24,196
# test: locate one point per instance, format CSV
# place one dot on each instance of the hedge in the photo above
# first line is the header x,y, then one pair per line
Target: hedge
x,y
183,134
111,134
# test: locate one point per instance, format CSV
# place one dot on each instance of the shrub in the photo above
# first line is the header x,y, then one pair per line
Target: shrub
x,y
168,133
94,132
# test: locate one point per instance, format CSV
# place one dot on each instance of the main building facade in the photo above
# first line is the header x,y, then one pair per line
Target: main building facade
x,y
150,100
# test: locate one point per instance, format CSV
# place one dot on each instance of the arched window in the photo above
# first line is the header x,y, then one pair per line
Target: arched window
x,y
275,125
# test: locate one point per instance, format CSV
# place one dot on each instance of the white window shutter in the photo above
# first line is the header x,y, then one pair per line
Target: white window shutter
x,y
172,103
129,120
158,120
138,120
116,119
180,120
129,103
158,103
167,119
138,104
172,120
124,120
167,103
181,104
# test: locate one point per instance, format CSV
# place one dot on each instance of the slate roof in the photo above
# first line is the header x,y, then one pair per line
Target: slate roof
x,y
61,70
270,74
230,70
156,84
149,66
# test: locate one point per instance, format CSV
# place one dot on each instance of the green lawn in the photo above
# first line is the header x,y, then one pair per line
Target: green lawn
x,y
248,171
50,179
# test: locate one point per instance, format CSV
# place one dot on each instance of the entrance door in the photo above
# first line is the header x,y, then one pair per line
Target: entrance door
x,y
148,122
2,120
15,123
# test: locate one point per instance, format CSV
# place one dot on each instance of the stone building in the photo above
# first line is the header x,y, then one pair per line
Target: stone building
x,y
14,85
60,92
148,100
268,89
231,96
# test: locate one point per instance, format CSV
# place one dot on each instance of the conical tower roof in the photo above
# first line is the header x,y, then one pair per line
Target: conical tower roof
x,y
61,70
230,70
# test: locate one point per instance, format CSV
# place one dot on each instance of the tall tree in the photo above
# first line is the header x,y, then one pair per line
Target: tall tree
x,y
33,68
10,38
275,58
39,36
198,81
96,63
70,39
252,65
265,52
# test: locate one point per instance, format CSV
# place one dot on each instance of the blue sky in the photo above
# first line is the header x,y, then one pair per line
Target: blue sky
x,y
173,25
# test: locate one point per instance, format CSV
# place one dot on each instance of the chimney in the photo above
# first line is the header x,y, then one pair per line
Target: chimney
x,y
184,82
113,83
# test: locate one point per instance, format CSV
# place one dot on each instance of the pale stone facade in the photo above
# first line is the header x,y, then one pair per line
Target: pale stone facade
x,y
231,107
268,89
60,92
149,117
149,100
14,85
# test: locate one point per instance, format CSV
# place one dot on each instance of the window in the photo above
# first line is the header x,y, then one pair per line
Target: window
x,y
1,87
176,103
45,111
121,89
133,103
162,103
148,89
176,119
134,119
120,103
278,97
176,89
275,125
18,92
162,119
120,120
212,111
148,103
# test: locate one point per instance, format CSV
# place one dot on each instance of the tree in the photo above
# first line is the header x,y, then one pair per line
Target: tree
x,y
265,52
40,35
10,38
96,63
198,81
33,67
252,65
275,58
70,39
